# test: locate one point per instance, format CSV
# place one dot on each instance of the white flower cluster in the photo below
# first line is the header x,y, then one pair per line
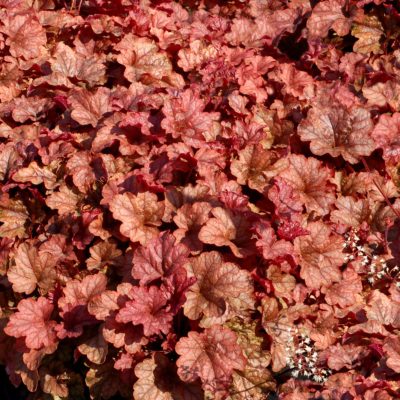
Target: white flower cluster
x,y
376,266
302,359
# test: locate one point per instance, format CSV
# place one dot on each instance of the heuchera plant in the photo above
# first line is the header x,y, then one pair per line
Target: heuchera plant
x,y
200,199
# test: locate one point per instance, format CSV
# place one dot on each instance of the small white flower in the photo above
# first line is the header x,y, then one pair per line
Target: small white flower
x,y
325,372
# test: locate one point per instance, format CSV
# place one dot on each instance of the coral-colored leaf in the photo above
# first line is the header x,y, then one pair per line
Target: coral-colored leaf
x,y
328,15
160,258
392,349
33,322
148,309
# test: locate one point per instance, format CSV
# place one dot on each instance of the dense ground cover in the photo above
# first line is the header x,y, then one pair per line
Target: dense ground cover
x,y
200,199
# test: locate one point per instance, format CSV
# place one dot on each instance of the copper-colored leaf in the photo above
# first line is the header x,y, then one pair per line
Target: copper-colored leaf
x,y
36,175
13,215
222,290
32,268
211,356
26,37
64,200
338,131
368,31
227,229
309,180
320,255
140,215
142,58
88,108
254,167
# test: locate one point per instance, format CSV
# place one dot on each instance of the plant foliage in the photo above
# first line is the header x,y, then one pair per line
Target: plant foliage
x,y
200,199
